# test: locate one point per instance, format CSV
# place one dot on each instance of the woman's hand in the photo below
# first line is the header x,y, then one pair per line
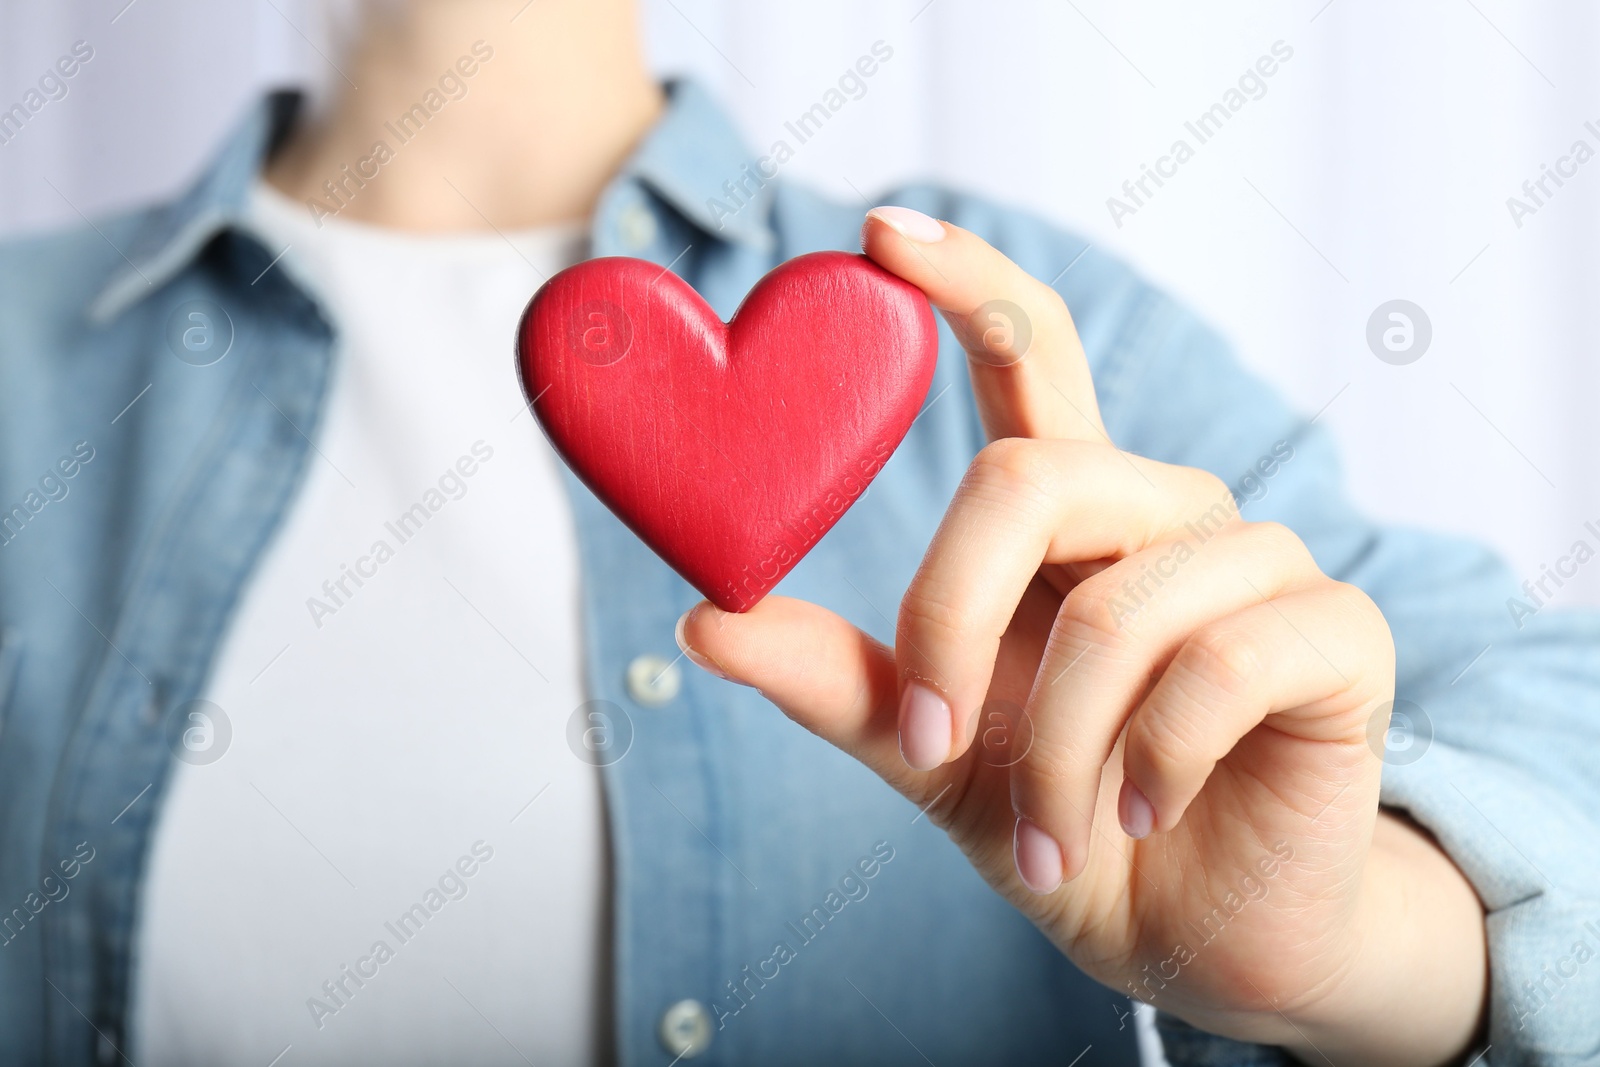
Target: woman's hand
x,y
1144,720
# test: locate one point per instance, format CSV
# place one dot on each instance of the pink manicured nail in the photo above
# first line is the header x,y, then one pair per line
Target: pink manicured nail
x,y
924,728
1039,862
1134,810
696,658
910,224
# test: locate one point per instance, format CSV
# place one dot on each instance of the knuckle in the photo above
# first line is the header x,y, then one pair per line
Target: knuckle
x,y
1279,539
1049,763
928,608
1365,613
1047,302
1221,660
1211,500
1164,742
1210,487
1013,466
1357,600
998,332
1091,615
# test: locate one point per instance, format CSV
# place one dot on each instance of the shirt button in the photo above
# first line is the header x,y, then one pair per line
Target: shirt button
x,y
637,226
686,1029
653,680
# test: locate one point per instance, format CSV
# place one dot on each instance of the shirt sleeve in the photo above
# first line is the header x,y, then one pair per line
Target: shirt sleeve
x,y
1495,741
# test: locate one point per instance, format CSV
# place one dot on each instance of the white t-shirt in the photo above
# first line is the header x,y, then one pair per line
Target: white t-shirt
x,y
365,874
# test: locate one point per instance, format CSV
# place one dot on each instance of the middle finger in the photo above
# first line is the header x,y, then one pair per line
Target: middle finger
x,y
1116,632
1023,504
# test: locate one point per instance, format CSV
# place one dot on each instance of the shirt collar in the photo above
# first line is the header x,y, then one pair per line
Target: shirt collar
x,y
697,162
174,233
693,159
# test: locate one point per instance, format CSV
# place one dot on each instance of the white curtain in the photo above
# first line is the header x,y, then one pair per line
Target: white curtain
x,y
1373,164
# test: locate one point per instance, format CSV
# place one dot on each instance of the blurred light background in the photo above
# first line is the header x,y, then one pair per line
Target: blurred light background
x,y
1376,166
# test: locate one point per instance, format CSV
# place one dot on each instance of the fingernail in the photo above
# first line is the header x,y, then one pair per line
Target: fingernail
x,y
924,728
696,658
1134,810
910,224
1039,862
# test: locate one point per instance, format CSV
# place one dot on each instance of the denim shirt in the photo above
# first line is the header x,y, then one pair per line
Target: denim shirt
x,y
138,490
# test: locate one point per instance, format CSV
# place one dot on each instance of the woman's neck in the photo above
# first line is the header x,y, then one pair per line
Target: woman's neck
x,y
470,114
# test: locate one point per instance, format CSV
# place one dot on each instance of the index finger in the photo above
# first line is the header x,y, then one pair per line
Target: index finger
x,y
1029,373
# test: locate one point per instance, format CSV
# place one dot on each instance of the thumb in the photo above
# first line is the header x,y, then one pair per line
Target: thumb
x,y
1030,376
821,671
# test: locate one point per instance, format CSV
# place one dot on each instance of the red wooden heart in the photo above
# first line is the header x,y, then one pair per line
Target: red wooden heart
x,y
729,449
